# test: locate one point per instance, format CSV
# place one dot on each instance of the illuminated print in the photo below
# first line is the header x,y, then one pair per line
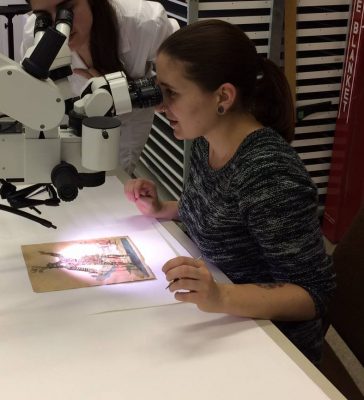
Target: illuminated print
x,y
84,263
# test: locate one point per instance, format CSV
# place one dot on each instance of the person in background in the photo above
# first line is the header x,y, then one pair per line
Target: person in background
x,y
248,203
109,36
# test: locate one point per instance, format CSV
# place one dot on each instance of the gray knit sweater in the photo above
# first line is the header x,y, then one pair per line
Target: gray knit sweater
x,y
256,219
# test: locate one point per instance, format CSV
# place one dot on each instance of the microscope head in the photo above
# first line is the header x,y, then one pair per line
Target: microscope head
x,y
50,50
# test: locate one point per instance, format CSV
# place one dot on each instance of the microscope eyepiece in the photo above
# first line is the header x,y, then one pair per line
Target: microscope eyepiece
x,y
42,22
144,93
64,15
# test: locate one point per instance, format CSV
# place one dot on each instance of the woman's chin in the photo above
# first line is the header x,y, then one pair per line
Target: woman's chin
x,y
178,135
72,43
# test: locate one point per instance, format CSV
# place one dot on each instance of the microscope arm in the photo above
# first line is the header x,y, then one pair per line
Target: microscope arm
x,y
113,94
37,104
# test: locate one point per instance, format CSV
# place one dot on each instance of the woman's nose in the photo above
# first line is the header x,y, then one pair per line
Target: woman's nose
x,y
161,107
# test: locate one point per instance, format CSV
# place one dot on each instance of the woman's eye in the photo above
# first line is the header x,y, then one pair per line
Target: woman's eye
x,y
170,92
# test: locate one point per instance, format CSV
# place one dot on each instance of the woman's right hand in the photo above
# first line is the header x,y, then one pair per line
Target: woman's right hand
x,y
144,194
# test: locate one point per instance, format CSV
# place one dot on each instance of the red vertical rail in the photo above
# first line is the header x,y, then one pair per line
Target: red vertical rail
x,y
345,192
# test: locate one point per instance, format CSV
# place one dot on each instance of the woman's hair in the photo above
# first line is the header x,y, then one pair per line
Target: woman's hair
x,y
104,37
216,52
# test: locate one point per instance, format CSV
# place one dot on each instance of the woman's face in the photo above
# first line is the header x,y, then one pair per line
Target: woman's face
x,y
190,110
82,18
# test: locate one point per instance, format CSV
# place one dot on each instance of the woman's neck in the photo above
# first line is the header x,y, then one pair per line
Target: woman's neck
x,y
85,53
224,141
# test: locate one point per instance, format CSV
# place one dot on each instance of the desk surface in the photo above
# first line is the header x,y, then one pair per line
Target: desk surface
x,y
69,346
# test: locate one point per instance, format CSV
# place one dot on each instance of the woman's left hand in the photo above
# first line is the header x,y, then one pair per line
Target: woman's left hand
x,y
196,281
87,73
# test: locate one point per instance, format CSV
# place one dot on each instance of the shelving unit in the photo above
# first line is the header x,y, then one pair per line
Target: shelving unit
x,y
320,48
165,157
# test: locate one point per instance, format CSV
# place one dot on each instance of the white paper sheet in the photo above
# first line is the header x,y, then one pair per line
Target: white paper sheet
x,y
159,353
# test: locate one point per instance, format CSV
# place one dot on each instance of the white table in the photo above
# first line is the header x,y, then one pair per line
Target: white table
x,y
131,341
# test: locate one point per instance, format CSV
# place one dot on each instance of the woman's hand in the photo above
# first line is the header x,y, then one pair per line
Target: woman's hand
x,y
196,281
192,282
143,193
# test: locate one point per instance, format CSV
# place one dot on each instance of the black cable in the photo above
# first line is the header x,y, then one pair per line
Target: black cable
x,y
32,217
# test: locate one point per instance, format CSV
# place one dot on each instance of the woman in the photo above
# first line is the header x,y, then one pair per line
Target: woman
x,y
248,203
109,36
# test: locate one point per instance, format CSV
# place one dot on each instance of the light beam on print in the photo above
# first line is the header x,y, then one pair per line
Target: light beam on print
x,y
66,265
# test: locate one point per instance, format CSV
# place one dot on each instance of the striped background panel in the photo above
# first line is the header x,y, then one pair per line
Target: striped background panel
x,y
321,41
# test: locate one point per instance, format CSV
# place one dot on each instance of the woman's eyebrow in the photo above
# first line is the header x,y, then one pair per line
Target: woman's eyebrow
x,y
165,84
62,3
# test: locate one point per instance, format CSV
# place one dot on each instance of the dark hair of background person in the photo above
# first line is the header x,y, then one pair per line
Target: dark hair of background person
x,y
104,40
104,37
216,52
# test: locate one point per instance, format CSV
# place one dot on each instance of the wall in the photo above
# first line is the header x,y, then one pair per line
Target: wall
x,y
18,22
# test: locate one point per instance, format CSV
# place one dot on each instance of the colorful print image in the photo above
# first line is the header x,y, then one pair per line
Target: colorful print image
x,y
84,263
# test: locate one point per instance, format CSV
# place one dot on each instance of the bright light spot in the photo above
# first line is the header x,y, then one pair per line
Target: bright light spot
x,y
79,250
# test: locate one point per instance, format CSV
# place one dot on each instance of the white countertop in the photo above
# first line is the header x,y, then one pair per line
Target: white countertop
x,y
131,341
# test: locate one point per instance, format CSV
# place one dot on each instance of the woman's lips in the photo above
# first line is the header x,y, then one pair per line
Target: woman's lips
x,y
173,123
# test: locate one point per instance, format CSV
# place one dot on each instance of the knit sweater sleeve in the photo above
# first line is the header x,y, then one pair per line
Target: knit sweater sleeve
x,y
281,211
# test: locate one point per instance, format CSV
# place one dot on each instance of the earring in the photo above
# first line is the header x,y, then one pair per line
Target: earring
x,y
220,110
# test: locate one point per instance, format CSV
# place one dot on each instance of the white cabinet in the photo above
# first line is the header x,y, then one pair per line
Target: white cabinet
x,y
321,42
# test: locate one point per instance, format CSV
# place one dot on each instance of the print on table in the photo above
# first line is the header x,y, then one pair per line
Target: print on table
x,y
84,263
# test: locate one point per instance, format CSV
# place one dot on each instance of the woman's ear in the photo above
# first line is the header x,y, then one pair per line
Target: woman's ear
x,y
226,96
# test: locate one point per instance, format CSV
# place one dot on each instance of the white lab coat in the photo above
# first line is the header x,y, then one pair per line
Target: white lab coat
x,y
143,27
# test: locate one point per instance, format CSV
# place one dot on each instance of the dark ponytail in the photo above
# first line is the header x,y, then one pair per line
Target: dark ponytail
x,y
216,52
273,104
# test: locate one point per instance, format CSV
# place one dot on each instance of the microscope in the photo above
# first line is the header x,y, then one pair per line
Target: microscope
x,y
37,147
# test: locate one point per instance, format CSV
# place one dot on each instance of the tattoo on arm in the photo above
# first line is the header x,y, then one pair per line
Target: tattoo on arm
x,y
270,285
